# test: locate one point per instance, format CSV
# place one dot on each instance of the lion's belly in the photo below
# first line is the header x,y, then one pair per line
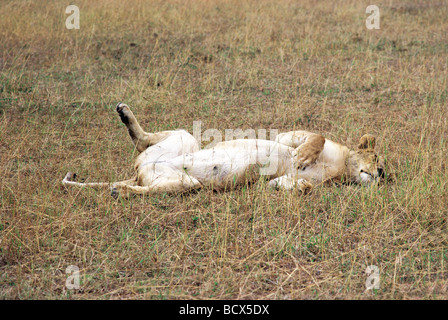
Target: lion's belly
x,y
212,166
235,162
329,165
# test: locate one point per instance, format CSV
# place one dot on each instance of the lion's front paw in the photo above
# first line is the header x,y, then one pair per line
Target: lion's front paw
x,y
273,184
306,156
309,152
304,186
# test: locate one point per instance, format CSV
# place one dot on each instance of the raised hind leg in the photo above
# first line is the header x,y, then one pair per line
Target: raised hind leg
x,y
140,138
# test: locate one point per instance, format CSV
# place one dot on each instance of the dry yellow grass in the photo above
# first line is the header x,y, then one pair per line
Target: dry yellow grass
x,y
230,64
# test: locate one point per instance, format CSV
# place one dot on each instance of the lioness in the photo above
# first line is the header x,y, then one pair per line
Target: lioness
x,y
171,161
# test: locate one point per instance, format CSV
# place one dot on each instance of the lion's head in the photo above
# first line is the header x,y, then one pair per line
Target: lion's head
x,y
364,165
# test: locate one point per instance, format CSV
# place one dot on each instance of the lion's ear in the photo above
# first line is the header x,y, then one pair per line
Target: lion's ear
x,y
367,141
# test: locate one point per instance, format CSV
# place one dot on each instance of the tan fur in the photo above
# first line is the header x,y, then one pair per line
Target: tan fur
x,y
170,161
309,151
366,142
322,160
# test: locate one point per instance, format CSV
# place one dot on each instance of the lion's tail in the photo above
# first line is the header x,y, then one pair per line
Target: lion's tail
x,y
69,180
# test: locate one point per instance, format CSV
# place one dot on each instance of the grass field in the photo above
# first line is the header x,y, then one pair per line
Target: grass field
x,y
231,64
